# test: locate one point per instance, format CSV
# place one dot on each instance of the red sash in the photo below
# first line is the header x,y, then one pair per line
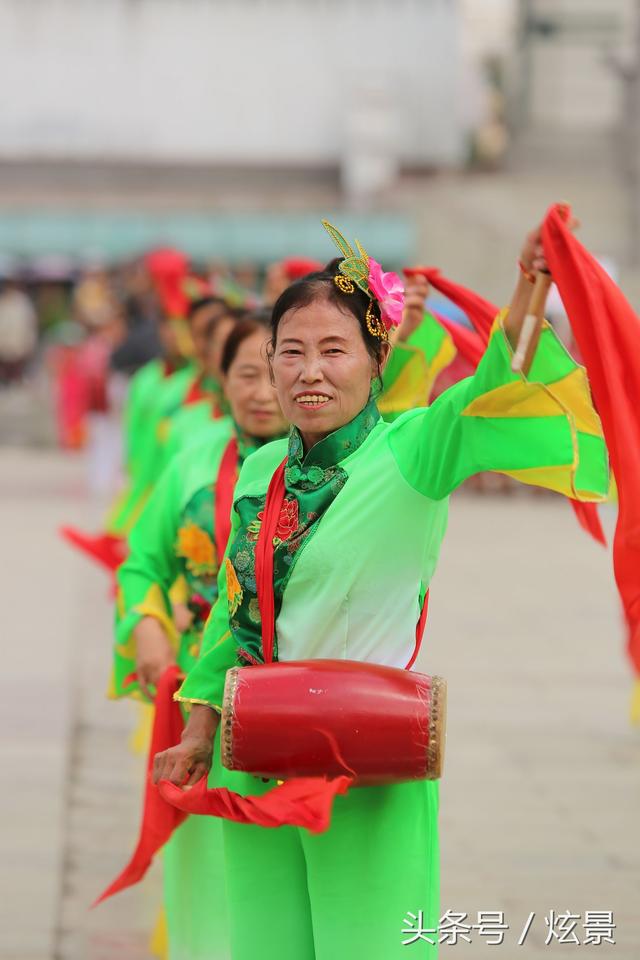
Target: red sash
x,y
225,485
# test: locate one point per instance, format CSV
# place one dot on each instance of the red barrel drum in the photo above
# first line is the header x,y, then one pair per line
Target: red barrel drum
x,y
312,718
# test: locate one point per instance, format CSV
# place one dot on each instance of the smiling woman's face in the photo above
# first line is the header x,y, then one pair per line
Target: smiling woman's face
x,y
322,368
252,399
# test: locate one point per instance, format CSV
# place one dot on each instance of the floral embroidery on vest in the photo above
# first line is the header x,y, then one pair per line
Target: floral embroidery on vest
x,y
234,590
195,544
196,547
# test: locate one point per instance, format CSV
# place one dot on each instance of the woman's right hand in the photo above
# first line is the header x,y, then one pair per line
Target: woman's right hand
x,y
186,763
190,760
154,654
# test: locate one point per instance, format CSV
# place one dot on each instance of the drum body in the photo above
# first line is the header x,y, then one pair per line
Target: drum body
x,y
328,718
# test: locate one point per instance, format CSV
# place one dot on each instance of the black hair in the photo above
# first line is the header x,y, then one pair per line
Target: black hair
x,y
322,286
206,301
224,313
255,321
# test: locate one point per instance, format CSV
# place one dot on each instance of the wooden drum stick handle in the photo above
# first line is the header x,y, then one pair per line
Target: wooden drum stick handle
x,y
532,325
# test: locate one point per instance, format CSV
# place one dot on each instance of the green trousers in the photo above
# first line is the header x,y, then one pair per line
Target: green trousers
x,y
341,895
195,898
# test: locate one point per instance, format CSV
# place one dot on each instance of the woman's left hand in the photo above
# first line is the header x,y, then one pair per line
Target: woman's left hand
x,y
182,617
532,255
415,297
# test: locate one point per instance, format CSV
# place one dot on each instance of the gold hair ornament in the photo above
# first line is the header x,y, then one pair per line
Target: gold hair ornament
x,y
354,269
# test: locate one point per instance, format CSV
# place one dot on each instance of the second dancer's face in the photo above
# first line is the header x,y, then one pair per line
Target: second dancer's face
x,y
322,369
252,399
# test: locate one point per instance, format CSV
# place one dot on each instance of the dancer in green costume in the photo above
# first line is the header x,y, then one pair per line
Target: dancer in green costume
x,y
422,348
174,537
205,399
157,401
358,541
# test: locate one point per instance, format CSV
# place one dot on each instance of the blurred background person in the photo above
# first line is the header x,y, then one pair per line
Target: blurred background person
x,y
18,332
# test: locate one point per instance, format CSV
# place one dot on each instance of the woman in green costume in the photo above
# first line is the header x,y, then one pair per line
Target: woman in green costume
x,y
158,395
178,536
360,530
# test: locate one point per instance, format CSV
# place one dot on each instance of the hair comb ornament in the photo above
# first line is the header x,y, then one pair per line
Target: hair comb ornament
x,y
358,269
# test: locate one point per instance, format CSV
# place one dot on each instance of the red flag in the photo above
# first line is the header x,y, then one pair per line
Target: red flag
x,y
607,331
159,818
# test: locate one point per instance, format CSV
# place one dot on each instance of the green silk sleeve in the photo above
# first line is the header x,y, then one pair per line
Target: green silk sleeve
x,y
146,577
130,422
205,682
144,386
150,439
541,429
413,367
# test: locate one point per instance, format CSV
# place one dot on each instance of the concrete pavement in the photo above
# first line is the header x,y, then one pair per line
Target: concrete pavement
x,y
541,791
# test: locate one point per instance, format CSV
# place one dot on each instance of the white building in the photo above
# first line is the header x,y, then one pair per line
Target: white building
x,y
231,81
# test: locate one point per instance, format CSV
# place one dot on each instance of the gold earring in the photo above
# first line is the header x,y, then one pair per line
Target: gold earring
x,y
375,326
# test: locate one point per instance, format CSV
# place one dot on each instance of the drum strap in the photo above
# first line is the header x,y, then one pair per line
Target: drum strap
x,y
225,483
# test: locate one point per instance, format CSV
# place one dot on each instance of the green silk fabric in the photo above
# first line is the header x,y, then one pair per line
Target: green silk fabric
x,y
354,590
312,483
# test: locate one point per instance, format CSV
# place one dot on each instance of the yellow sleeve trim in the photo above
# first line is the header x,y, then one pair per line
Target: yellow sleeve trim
x,y
414,385
411,389
179,592
445,355
204,703
569,397
153,605
557,478
523,399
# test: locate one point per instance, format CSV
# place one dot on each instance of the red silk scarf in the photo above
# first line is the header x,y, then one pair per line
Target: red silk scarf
x,y
607,331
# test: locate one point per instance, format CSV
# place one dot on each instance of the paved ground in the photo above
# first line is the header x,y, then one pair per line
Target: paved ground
x,y
541,793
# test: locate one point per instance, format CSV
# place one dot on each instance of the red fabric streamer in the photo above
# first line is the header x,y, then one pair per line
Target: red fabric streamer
x,y
225,485
589,519
302,802
420,628
264,559
106,549
607,331
480,312
159,818
468,343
